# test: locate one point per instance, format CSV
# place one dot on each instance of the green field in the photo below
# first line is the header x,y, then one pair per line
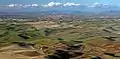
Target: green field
x,y
52,35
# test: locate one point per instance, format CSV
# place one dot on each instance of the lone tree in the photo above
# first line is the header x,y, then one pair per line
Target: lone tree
x,y
60,39
47,31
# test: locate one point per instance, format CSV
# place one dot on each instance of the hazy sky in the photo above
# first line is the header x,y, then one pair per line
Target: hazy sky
x,y
63,1
89,5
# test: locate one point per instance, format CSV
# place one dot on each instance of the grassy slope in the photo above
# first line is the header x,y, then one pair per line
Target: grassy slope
x,y
86,31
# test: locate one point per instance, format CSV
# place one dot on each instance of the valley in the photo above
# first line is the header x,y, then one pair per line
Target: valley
x,y
60,39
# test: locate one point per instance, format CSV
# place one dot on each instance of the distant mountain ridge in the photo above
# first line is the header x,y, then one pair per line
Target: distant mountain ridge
x,y
111,14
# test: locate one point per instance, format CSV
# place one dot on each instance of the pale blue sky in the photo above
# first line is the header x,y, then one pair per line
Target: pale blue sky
x,y
47,1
